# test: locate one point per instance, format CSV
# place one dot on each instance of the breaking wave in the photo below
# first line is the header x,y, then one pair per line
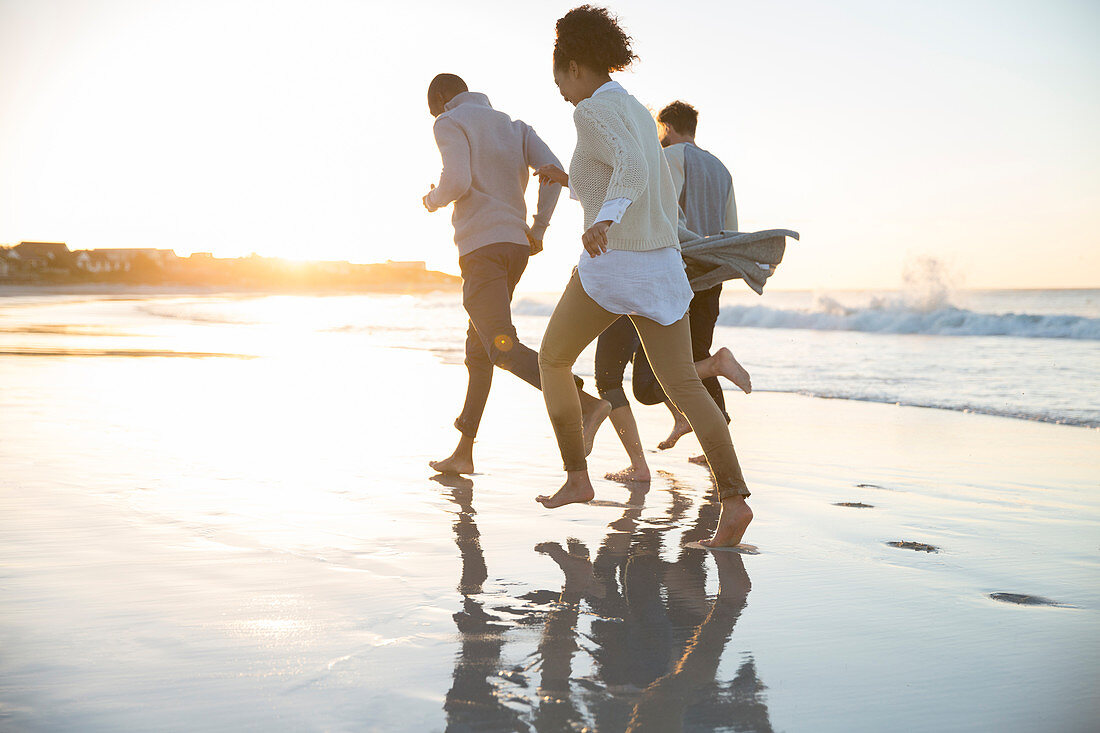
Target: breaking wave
x,y
890,316
881,317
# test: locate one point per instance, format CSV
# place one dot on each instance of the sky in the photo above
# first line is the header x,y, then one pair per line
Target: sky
x,y
882,131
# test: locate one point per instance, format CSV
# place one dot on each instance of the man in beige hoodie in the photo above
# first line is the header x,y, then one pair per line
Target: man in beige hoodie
x,y
487,159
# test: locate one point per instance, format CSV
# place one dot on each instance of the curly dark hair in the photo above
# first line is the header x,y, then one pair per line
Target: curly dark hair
x,y
681,116
592,37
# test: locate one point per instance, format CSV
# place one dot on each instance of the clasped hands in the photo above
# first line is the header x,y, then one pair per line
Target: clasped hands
x,y
595,238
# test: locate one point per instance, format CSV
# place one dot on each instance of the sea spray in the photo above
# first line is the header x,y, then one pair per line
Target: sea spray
x,y
925,305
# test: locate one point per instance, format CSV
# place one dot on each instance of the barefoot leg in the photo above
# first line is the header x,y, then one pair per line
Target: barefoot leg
x,y
732,524
461,461
722,364
680,427
594,412
627,428
577,489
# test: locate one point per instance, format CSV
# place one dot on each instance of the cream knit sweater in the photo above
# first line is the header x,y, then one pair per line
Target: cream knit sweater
x,y
619,155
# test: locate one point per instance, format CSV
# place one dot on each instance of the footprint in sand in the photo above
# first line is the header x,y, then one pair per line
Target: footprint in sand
x,y
855,504
1022,599
918,546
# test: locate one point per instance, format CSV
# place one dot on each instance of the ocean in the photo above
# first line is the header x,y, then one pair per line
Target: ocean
x,y
1026,354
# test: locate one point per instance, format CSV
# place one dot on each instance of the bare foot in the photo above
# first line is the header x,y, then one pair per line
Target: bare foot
x,y
732,524
699,460
629,474
453,464
679,429
576,490
732,370
594,415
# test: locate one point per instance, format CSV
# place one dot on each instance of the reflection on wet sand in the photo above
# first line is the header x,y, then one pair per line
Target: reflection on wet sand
x,y
655,641
473,702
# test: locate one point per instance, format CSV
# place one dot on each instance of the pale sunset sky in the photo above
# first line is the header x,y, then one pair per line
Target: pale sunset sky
x,y
963,130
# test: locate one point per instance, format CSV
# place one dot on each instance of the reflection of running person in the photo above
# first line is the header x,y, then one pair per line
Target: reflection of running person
x,y
486,160
631,265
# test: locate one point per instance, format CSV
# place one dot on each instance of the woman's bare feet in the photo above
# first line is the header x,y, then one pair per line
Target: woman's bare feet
x,y
594,412
699,460
732,524
577,489
722,364
629,474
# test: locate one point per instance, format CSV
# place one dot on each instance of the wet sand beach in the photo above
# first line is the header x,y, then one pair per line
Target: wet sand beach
x,y
220,543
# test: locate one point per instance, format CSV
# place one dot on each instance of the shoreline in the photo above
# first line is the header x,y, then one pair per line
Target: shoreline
x,y
1069,422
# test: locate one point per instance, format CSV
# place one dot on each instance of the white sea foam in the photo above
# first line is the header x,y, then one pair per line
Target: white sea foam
x,y
900,318
896,314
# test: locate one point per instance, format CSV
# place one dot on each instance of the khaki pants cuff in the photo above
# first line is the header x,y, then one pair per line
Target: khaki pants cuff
x,y
731,491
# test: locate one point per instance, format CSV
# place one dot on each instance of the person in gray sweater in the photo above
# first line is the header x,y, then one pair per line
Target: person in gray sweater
x,y
487,159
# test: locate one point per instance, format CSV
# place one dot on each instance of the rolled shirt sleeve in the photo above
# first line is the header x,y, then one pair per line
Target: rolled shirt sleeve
x,y
613,210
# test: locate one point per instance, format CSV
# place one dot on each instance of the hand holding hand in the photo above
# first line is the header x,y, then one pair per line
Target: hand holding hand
x,y
595,239
551,174
536,244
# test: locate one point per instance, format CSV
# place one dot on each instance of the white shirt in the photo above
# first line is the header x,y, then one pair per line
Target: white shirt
x,y
652,283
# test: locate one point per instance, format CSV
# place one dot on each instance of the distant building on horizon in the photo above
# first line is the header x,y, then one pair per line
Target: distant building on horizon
x,y
93,260
407,264
126,255
43,255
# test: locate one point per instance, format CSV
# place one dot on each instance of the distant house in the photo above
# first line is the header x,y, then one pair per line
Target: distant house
x,y
43,255
92,260
122,259
9,262
416,265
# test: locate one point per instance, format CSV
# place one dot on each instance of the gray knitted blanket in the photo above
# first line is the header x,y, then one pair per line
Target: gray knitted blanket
x,y
748,256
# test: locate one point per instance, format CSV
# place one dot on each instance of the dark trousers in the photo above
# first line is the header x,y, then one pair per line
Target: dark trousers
x,y
619,344
614,349
489,277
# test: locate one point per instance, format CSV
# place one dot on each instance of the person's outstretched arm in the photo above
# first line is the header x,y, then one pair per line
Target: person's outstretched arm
x,y
455,179
538,154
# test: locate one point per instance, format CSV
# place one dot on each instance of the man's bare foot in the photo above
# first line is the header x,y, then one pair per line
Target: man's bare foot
x,y
722,364
595,412
453,464
629,474
577,489
732,524
679,429
699,460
